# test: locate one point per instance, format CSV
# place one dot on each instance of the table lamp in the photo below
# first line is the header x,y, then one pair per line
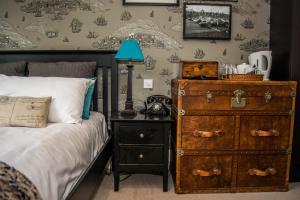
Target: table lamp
x,y
129,52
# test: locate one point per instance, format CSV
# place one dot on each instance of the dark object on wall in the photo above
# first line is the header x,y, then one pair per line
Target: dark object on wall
x,y
231,136
285,45
152,2
157,105
207,21
203,70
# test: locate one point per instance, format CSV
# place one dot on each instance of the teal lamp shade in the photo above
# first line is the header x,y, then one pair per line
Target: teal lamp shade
x,y
129,51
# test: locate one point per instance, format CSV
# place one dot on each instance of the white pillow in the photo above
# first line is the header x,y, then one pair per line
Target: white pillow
x,y
67,94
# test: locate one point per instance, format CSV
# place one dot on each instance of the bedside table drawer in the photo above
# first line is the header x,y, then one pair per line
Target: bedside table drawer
x,y
141,134
141,155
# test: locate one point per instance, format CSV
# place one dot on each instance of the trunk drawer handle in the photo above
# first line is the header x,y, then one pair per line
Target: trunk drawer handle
x,y
208,134
261,133
204,173
256,172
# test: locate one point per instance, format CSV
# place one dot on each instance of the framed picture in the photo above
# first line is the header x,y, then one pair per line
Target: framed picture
x,y
152,2
207,21
223,0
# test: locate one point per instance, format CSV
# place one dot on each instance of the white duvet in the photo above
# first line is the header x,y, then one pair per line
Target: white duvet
x,y
53,158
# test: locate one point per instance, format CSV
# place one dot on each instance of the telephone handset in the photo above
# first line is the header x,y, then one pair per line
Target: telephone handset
x,y
157,105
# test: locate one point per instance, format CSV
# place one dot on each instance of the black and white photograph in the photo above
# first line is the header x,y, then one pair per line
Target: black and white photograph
x,y
207,21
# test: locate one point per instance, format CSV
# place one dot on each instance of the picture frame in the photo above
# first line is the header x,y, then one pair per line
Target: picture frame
x,y
207,21
233,1
152,2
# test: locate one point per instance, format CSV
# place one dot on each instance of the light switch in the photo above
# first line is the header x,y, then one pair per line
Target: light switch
x,y
148,83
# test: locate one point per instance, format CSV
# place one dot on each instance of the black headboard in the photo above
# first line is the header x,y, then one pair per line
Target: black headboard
x,y
105,60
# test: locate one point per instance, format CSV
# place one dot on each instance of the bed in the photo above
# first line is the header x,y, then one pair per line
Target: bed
x,y
82,151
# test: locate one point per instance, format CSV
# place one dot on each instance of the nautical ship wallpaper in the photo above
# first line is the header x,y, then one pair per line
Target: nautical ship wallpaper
x,y
102,24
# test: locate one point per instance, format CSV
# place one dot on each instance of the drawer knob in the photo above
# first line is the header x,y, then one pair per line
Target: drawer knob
x,y
261,133
142,135
257,172
141,156
208,134
204,173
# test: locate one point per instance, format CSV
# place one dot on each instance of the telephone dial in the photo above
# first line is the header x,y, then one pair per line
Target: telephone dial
x,y
157,105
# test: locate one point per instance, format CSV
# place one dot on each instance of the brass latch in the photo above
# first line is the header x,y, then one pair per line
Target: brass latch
x,y
179,152
181,112
237,101
268,96
181,92
209,96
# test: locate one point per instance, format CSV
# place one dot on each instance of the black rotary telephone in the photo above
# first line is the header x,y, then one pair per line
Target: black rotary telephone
x,y
157,105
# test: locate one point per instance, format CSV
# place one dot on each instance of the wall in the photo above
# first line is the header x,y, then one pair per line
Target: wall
x,y
30,24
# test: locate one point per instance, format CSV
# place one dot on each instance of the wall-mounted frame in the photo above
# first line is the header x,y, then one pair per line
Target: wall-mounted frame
x,y
223,0
207,21
152,2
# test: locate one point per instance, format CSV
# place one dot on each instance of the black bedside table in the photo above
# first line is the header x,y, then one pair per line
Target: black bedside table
x,y
141,145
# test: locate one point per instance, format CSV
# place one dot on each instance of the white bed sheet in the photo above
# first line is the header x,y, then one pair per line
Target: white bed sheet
x,y
53,158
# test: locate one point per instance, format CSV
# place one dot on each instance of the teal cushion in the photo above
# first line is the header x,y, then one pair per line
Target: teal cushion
x,y
88,100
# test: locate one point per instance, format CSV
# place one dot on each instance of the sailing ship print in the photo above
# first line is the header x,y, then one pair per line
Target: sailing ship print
x,y
247,24
139,76
151,14
66,39
255,45
101,21
174,58
150,63
38,13
224,52
239,37
76,25
92,35
51,34
199,54
126,16
165,72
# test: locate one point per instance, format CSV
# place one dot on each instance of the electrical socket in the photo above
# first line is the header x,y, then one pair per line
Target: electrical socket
x,y
148,83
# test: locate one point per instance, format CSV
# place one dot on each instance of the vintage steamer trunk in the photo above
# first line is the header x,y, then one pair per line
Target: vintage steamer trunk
x,y
232,136
207,70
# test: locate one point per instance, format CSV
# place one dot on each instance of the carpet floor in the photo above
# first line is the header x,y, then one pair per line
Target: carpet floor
x,y
149,187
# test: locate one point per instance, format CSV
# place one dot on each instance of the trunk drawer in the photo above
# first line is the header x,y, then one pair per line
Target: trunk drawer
x,y
200,172
234,95
262,170
141,155
265,132
143,134
208,132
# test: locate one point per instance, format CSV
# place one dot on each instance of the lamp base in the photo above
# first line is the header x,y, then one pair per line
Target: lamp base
x,y
128,112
